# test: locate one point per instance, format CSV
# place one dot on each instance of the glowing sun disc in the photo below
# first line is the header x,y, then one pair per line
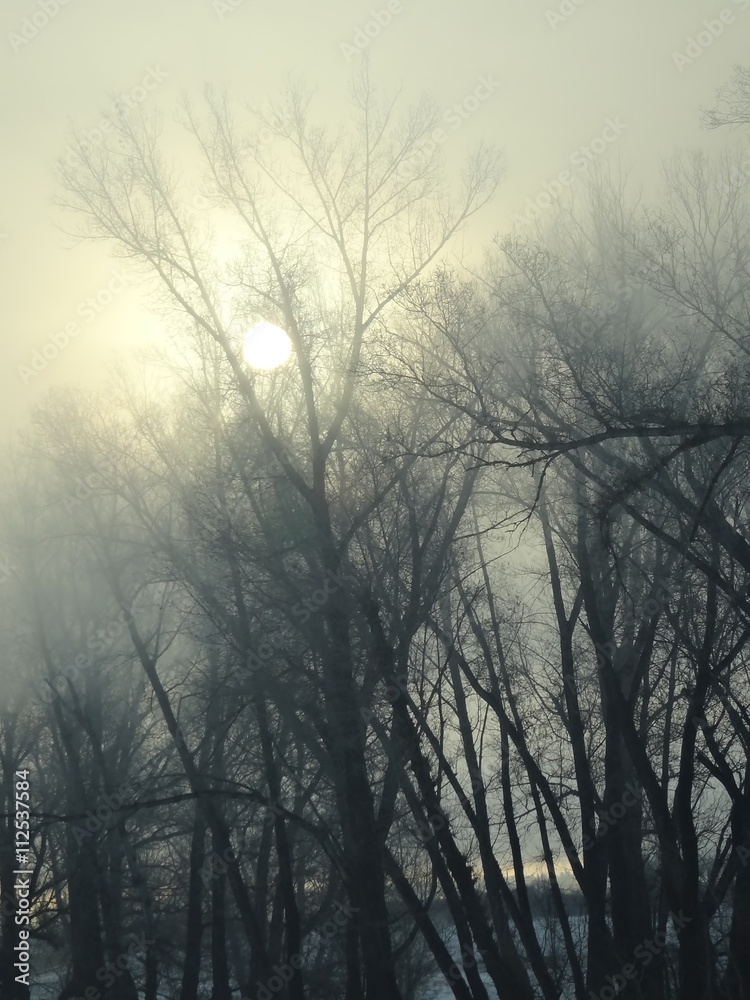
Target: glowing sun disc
x,y
266,346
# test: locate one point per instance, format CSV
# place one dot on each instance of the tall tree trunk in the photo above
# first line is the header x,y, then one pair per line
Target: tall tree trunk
x,y
594,883
110,894
86,948
191,969
737,980
219,960
363,853
353,963
284,856
151,958
631,920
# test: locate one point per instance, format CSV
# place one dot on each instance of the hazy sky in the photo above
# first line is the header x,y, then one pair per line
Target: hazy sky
x,y
558,72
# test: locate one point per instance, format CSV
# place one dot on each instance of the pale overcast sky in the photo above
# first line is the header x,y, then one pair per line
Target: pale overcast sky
x,y
555,74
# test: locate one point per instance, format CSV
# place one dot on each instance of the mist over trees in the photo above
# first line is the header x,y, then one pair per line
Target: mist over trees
x,y
414,667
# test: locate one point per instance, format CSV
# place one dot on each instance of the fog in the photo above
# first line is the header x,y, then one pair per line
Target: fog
x,y
374,506
561,76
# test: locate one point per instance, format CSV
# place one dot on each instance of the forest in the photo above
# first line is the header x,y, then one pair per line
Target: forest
x,y
416,666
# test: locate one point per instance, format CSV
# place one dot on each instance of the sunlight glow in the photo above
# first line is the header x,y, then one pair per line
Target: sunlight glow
x,y
266,346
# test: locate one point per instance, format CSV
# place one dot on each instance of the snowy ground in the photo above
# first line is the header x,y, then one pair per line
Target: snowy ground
x,y
48,985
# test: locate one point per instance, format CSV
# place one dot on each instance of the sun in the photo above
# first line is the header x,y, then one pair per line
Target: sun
x,y
266,346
